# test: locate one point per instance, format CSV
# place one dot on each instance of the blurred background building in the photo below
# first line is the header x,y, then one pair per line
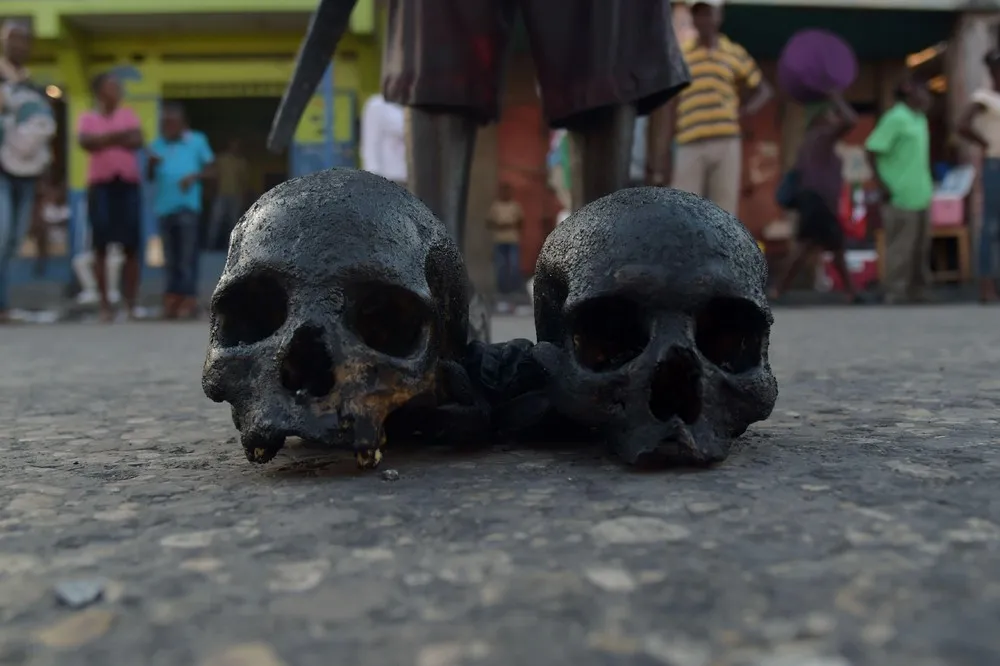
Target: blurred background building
x,y
229,60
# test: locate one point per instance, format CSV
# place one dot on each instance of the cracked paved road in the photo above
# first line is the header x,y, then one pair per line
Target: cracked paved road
x,y
859,526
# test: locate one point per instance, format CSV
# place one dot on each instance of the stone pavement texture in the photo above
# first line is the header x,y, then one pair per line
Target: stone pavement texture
x,y
859,526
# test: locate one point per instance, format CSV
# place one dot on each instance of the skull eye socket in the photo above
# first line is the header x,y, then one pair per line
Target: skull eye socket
x,y
608,332
250,310
730,333
389,319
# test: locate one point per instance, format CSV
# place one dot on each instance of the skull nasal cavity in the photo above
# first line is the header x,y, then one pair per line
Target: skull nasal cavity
x,y
730,333
608,332
250,310
676,387
307,366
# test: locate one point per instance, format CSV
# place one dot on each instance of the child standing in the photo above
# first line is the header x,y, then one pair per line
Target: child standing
x,y
504,221
180,160
51,222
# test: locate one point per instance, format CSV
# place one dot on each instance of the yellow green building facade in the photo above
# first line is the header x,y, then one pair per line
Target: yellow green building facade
x,y
227,61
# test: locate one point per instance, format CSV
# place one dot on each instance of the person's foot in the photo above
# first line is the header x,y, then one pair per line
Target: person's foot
x,y
87,297
988,291
187,308
170,304
107,314
114,297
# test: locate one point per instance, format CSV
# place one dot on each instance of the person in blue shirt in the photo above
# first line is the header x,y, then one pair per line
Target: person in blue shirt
x,y
180,159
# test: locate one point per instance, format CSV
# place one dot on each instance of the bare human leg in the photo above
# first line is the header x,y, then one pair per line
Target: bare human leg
x,y
601,141
439,153
803,253
101,275
840,264
130,280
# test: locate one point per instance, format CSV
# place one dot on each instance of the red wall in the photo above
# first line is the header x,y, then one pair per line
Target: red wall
x,y
522,148
762,169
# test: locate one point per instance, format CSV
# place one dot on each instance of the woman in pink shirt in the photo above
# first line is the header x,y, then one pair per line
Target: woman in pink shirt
x,y
112,134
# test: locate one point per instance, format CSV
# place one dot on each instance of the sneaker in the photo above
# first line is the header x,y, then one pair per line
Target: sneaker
x,y
87,297
114,297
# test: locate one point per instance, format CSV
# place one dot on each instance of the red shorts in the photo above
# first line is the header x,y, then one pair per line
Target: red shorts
x,y
588,54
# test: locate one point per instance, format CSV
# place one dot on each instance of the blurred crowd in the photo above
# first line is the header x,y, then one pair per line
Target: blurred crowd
x,y
34,206
700,133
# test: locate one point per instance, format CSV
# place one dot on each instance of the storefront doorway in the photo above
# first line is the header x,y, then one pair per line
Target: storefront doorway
x,y
245,121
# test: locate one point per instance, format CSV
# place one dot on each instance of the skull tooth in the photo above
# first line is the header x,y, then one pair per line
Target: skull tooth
x,y
369,459
262,449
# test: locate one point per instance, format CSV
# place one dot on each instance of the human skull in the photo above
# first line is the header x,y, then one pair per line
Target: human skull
x,y
653,325
341,298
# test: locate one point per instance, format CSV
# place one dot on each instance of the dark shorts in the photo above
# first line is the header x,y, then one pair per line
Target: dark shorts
x,y
588,54
817,222
115,213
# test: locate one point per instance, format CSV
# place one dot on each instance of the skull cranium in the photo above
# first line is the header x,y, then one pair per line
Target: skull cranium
x,y
341,298
653,325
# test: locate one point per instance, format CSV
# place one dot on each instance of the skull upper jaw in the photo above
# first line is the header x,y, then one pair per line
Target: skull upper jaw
x,y
641,438
264,412
352,418
367,393
319,384
669,405
642,434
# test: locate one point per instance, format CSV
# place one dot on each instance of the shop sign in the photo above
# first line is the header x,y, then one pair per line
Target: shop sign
x,y
227,90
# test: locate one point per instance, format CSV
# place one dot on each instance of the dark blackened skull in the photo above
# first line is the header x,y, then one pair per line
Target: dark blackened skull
x,y
341,296
653,325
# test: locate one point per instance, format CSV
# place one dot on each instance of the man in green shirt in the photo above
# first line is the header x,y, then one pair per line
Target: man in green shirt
x,y
899,151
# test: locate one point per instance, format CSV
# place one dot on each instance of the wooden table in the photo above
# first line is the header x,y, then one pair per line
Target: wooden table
x,y
941,239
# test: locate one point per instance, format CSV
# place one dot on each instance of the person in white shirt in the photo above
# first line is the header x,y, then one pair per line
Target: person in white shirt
x,y
980,124
383,139
83,268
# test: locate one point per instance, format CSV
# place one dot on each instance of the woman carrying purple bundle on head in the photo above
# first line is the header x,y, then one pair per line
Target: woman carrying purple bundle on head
x,y
819,183
815,67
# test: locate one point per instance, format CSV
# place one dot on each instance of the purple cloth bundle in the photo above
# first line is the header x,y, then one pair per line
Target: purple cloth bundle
x,y
815,63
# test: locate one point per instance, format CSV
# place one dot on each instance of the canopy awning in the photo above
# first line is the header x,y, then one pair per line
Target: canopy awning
x,y
50,17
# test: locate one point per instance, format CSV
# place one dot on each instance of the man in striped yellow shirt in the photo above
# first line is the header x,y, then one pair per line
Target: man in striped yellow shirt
x,y
706,116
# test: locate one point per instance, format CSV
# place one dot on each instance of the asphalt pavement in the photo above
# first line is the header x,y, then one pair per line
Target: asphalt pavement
x,y
860,525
